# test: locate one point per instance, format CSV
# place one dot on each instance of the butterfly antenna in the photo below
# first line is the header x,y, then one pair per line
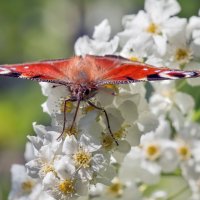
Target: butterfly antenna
x,y
107,119
64,117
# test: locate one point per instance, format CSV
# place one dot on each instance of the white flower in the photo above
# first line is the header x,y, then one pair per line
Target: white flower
x,y
45,136
147,121
89,125
136,167
160,150
83,155
189,131
162,10
157,153
56,95
29,152
134,109
44,160
116,190
99,45
24,187
194,186
193,32
191,174
137,49
158,29
65,187
182,53
193,35
189,151
166,97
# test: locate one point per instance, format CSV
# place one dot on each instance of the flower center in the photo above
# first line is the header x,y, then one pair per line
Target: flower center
x,y
136,59
67,187
152,151
153,28
47,168
116,189
168,93
184,152
87,109
119,134
69,106
107,142
27,186
183,55
112,87
82,158
70,131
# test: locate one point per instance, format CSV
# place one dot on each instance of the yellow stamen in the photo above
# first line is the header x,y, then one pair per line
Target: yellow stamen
x,y
67,187
142,188
183,55
184,152
119,134
112,87
153,28
82,158
27,186
168,93
69,131
152,151
116,188
107,142
47,168
135,59
87,109
69,106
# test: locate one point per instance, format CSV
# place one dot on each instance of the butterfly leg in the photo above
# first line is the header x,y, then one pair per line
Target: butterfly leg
x,y
75,115
107,119
64,117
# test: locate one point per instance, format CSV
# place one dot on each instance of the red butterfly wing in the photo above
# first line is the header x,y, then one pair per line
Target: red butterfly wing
x,y
116,69
49,71
95,70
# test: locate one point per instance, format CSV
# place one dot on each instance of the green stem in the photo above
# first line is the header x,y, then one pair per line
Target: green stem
x,y
178,193
179,86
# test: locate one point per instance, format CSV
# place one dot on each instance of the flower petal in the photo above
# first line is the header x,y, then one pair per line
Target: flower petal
x,y
102,31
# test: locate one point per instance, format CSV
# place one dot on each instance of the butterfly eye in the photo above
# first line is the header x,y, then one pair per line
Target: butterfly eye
x,y
87,92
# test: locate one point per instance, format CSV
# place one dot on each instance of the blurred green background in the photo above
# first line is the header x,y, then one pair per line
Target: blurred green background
x,y
35,30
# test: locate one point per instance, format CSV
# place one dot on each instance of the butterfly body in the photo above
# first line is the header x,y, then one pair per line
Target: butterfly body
x,y
80,92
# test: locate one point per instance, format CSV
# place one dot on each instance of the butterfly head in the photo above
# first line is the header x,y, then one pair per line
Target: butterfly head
x,y
80,92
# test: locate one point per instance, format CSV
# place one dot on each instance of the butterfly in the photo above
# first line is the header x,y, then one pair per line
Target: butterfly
x,y
85,75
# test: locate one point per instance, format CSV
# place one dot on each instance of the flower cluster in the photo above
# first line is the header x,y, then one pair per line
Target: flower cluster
x,y
159,143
